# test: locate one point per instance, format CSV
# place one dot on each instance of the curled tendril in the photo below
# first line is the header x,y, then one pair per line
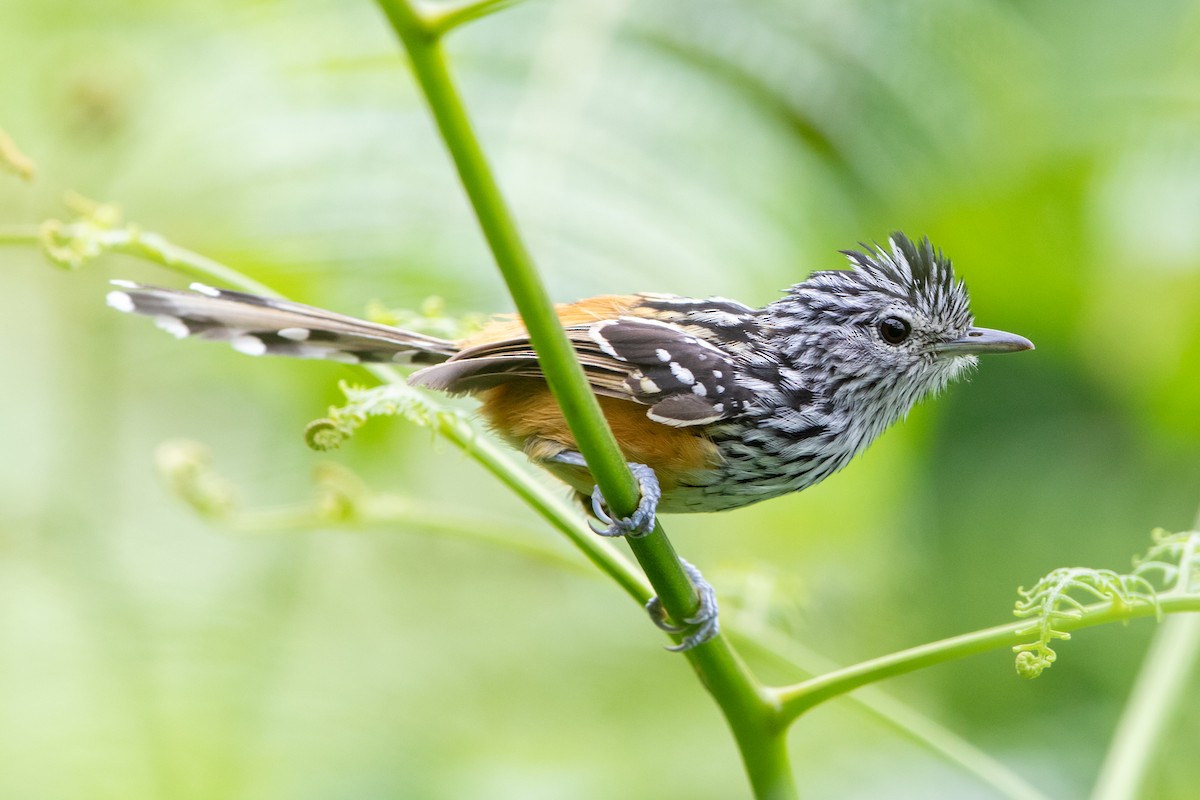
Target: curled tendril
x,y
1030,664
1174,558
71,245
1170,566
1051,601
325,434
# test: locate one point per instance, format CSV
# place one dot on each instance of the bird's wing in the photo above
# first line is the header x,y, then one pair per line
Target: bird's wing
x,y
675,355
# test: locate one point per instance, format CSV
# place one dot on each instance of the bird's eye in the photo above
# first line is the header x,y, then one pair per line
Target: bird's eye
x,y
894,330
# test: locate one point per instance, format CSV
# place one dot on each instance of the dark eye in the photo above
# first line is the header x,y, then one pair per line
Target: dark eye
x,y
894,330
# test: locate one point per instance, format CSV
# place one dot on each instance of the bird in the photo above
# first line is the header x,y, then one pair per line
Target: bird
x,y
715,404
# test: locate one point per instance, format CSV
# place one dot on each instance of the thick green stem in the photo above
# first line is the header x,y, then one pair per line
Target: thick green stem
x,y
747,708
902,718
556,356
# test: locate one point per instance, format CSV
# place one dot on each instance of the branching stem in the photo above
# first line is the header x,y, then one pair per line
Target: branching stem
x,y
796,699
747,706
758,716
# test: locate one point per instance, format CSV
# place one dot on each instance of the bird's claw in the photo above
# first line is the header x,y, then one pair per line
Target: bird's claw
x,y
637,524
704,624
641,521
699,627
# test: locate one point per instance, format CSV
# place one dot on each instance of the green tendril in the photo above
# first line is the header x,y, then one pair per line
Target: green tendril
x,y
1169,568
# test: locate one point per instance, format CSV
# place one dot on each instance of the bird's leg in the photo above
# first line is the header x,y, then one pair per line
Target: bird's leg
x,y
704,624
641,521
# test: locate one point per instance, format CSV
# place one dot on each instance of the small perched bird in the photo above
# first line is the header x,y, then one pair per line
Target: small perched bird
x,y
715,404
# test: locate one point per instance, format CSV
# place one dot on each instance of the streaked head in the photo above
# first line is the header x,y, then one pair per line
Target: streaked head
x,y
893,328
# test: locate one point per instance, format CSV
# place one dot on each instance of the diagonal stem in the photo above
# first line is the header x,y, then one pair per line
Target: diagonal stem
x,y
556,357
134,241
442,20
1155,697
749,710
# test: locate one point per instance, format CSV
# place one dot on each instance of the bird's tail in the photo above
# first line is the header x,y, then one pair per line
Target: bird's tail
x,y
258,325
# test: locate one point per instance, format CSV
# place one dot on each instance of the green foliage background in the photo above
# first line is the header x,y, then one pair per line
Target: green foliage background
x,y
1053,149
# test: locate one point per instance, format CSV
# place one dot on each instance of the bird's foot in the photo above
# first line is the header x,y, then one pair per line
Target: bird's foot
x,y
703,625
637,524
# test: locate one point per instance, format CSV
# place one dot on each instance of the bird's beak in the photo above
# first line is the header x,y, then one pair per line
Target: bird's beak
x,y
984,340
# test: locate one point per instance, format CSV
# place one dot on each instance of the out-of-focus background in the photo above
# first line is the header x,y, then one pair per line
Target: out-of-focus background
x,y
1052,149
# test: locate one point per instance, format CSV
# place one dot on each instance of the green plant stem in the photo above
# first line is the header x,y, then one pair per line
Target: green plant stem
x,y
1160,683
747,707
441,20
19,234
154,247
556,356
904,719
553,508
796,699
766,712
157,249
376,510
1168,662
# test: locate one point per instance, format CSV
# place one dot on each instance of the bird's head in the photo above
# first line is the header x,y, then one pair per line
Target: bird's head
x,y
895,327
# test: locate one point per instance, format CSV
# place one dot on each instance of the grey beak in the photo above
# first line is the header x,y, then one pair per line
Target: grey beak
x,y
984,340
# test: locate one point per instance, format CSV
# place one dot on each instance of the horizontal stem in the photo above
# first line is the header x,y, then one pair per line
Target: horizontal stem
x,y
796,699
19,234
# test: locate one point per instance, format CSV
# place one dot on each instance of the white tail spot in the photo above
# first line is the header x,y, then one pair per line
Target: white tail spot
x,y
250,345
172,325
295,334
205,290
120,301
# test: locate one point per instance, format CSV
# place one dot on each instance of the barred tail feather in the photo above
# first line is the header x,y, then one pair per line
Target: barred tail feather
x,y
258,325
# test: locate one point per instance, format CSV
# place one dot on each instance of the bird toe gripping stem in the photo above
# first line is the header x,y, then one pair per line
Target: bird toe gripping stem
x,y
703,625
637,524
641,522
